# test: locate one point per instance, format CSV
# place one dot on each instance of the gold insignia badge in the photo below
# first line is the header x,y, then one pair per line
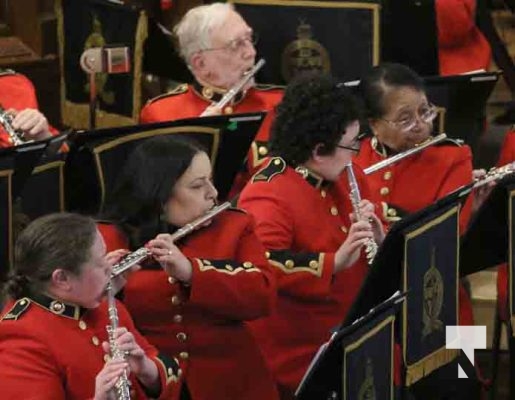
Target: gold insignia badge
x,y
95,39
367,390
304,54
433,292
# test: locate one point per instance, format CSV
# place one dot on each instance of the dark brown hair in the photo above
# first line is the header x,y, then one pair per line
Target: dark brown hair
x,y
61,240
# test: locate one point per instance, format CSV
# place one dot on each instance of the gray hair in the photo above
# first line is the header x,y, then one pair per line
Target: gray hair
x,y
193,32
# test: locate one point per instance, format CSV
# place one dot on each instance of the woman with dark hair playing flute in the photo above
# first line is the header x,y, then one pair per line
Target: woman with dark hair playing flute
x,y
53,339
193,300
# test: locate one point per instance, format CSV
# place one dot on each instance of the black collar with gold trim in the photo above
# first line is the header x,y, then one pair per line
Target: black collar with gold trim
x,y
58,307
214,94
380,148
312,178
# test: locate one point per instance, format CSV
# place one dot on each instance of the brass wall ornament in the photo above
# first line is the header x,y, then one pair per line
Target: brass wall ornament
x,y
95,39
304,54
367,390
433,292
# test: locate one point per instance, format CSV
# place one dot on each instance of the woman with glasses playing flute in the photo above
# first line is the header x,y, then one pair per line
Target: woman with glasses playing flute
x,y
218,46
401,117
53,337
302,204
193,298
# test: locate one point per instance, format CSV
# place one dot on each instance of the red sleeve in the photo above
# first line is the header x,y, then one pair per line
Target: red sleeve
x,y
455,20
459,174
113,237
508,149
146,116
275,230
28,369
245,288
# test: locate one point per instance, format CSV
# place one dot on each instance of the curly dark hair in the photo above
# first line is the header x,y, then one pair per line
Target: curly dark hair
x,y
380,80
315,110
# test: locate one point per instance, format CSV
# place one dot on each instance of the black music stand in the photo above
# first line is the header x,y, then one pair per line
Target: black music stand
x,y
371,339
384,276
464,98
96,157
409,35
17,165
486,241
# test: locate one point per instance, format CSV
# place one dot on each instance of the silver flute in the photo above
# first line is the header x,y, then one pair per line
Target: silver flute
x,y
143,253
355,198
16,135
400,156
495,174
233,91
122,386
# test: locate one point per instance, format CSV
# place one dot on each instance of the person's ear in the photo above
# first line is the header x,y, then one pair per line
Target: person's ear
x,y
61,279
317,152
373,123
197,63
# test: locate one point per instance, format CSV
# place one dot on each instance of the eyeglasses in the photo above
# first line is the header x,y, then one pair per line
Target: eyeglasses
x,y
355,148
235,45
426,114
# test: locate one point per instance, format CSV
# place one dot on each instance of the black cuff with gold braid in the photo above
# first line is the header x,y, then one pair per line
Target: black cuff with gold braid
x,y
171,368
290,262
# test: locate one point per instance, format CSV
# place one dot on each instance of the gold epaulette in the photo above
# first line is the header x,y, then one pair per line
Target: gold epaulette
x,y
266,87
180,89
275,167
17,310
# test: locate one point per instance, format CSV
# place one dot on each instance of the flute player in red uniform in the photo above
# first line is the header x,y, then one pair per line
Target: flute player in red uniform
x,y
193,301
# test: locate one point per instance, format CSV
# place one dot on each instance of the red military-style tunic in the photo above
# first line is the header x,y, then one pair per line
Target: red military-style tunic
x,y
51,350
461,45
302,221
418,181
17,92
189,101
507,156
203,324
508,149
